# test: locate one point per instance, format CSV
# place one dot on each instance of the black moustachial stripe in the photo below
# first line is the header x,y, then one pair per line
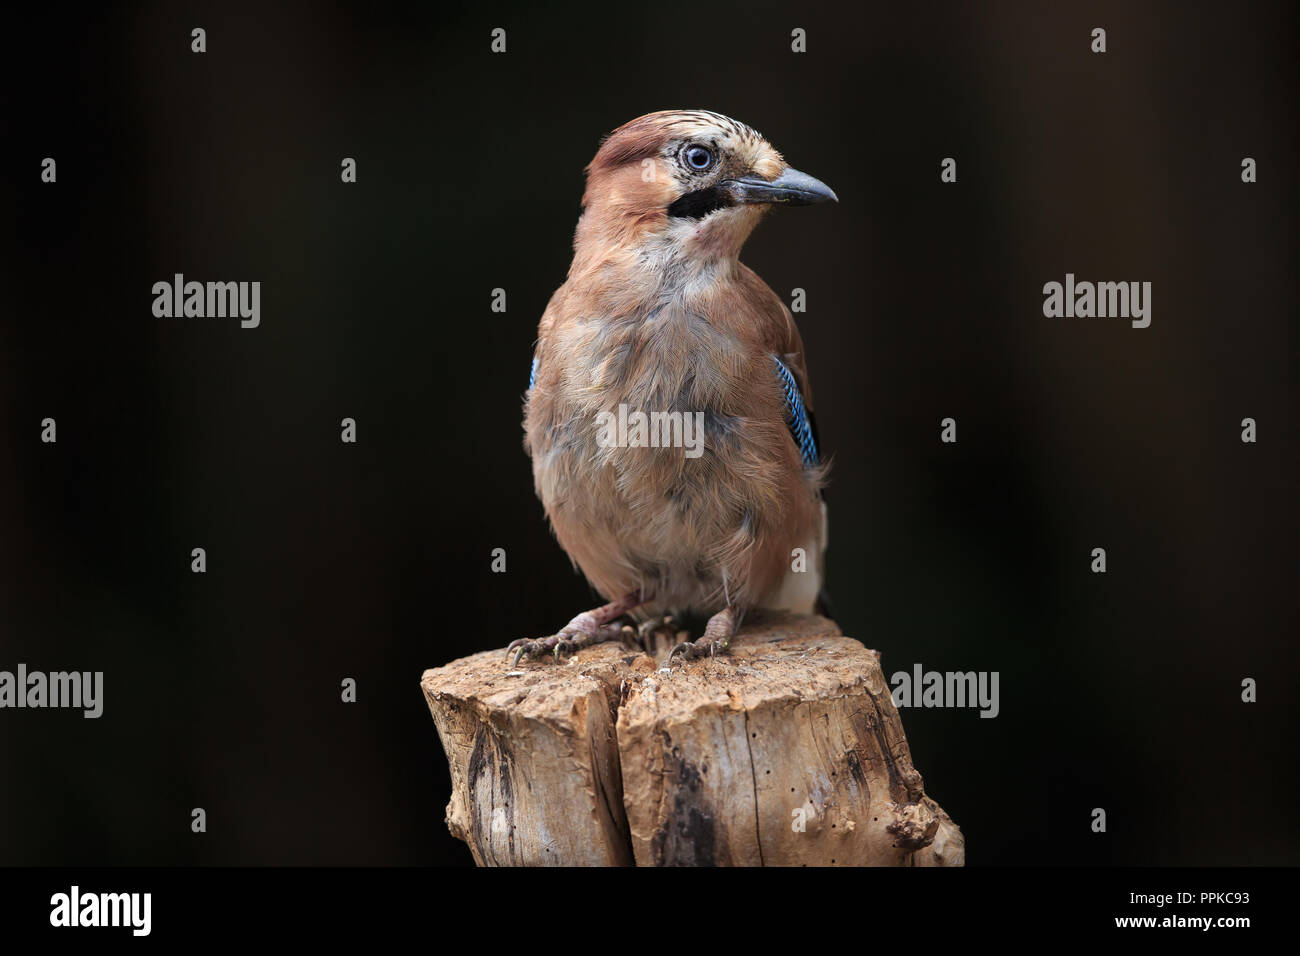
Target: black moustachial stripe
x,y
700,203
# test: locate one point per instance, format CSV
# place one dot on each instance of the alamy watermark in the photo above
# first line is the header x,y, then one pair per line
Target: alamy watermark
x,y
922,688
637,429
1124,300
209,300
75,908
79,690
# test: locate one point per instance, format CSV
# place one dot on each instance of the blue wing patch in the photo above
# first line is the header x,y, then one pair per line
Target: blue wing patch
x,y
796,416
532,374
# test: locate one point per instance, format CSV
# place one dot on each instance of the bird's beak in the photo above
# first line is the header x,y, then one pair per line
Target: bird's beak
x,y
792,188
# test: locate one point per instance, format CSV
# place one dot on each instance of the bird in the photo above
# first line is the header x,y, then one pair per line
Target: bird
x,y
658,316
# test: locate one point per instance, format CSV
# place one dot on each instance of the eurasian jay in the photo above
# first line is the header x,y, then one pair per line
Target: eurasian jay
x,y
658,316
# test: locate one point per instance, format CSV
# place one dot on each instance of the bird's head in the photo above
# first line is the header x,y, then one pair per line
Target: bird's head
x,y
686,183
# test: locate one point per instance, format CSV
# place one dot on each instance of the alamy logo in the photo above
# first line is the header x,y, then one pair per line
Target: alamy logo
x,y
75,689
210,300
1124,300
951,689
655,430
75,908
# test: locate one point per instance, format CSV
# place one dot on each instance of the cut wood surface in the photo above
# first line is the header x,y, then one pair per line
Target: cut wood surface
x,y
786,751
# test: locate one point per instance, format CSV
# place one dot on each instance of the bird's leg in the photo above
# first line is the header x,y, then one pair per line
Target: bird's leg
x,y
715,640
589,627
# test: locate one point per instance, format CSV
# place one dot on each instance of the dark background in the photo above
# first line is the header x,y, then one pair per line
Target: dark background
x,y
371,561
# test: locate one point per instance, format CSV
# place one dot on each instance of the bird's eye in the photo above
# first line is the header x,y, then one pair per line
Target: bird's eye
x,y
698,158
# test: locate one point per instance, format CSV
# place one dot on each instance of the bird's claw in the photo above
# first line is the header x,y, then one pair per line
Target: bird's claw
x,y
532,648
715,640
567,641
520,648
691,650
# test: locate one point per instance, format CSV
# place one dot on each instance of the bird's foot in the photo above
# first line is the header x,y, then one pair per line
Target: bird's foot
x,y
589,627
715,640
566,641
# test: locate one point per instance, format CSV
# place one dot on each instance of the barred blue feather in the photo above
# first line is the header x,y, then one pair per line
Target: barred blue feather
x,y
532,374
796,416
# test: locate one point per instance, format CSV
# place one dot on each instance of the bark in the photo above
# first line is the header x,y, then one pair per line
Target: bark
x,y
787,751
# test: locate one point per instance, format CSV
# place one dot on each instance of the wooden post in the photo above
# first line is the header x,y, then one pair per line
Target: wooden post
x,y
788,751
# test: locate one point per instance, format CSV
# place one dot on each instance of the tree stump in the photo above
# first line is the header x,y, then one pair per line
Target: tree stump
x,y
787,751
